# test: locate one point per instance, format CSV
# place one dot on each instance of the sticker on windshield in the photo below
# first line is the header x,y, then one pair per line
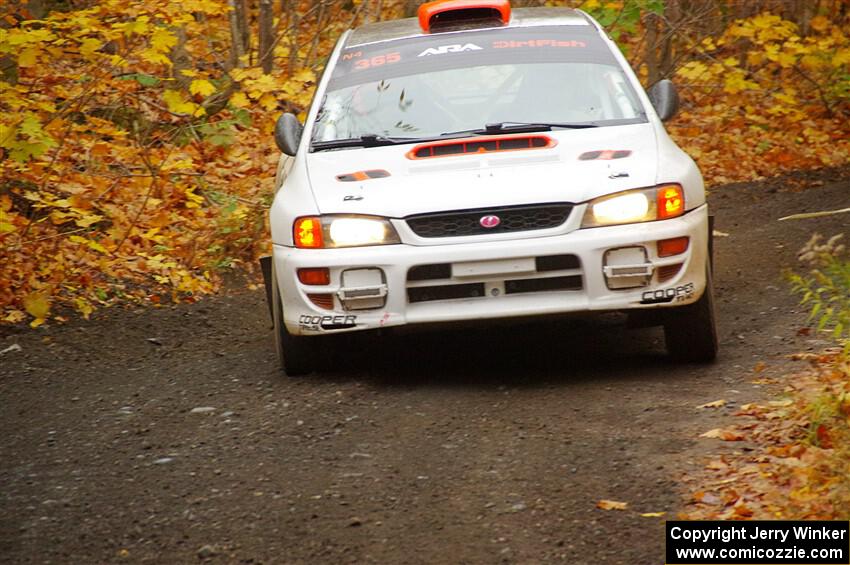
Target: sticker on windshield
x,y
411,56
537,43
443,49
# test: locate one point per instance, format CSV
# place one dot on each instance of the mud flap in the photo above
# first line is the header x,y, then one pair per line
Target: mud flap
x,y
711,241
266,268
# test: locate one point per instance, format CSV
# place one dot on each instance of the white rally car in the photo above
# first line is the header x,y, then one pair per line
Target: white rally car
x,y
478,163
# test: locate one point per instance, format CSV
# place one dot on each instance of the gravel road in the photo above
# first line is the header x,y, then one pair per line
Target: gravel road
x,y
167,436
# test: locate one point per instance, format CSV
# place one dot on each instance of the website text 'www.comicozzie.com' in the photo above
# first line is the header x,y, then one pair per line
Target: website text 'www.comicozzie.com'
x,y
764,542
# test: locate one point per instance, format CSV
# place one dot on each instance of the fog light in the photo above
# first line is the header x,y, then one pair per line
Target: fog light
x,y
667,272
317,277
626,267
674,246
324,301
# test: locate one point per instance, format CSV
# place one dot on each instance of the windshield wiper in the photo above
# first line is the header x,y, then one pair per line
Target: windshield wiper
x,y
367,140
522,127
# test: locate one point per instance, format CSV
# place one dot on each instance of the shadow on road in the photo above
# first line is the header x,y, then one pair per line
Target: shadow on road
x,y
526,354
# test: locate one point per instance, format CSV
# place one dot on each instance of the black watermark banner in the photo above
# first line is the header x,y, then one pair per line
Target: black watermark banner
x,y
758,542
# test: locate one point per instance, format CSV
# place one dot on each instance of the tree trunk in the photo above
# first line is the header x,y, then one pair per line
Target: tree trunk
x,y
266,24
237,42
650,50
180,59
410,8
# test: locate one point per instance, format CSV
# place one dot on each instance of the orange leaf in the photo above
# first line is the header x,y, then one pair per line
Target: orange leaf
x,y
824,438
611,505
723,434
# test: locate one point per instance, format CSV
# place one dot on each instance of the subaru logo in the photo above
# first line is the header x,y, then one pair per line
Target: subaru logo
x,y
489,221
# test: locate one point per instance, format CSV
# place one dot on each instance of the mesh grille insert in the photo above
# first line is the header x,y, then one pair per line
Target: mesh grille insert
x,y
468,222
541,285
430,272
447,292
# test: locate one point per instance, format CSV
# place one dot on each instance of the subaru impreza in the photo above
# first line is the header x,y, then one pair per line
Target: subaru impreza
x,y
479,163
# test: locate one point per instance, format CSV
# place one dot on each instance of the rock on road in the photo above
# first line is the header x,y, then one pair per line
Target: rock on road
x,y
167,436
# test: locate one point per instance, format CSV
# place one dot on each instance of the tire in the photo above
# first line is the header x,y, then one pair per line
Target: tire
x,y
690,332
298,355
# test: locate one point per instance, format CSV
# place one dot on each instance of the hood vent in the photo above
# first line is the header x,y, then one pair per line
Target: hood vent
x,y
491,144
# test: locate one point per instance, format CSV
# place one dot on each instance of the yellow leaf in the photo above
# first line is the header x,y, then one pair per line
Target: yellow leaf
x,y
611,505
84,307
177,103
239,100
268,101
14,317
305,75
89,46
193,200
202,87
692,70
715,404
91,243
180,164
163,40
28,57
154,56
87,220
37,305
653,514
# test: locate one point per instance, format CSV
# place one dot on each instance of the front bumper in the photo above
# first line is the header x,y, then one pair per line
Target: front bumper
x,y
495,279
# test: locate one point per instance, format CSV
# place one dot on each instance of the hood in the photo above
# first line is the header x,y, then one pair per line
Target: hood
x,y
481,180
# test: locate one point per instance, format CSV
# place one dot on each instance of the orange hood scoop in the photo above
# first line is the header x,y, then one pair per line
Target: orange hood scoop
x,y
483,144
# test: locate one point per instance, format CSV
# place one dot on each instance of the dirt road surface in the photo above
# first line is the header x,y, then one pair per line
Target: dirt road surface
x,y
167,435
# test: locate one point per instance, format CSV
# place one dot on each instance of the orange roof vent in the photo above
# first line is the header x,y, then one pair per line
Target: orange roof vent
x,y
434,16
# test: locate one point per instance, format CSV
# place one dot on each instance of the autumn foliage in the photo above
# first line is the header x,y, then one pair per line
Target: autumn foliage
x,y
136,161
796,463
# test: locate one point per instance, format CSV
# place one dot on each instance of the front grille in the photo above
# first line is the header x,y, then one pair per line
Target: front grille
x,y
435,281
468,222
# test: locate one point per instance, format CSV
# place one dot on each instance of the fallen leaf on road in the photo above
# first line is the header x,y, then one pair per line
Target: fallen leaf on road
x,y
723,434
717,465
12,348
653,514
781,403
706,498
760,366
715,404
743,511
611,505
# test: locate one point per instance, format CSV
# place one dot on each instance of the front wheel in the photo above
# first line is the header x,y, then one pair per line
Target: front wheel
x,y
690,332
298,355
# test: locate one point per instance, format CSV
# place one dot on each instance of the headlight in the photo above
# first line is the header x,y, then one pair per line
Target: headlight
x,y
316,232
643,205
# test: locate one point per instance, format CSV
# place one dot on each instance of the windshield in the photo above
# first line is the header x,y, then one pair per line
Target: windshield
x,y
427,87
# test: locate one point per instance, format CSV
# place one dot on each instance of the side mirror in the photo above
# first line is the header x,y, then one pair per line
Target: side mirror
x,y
287,133
664,99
